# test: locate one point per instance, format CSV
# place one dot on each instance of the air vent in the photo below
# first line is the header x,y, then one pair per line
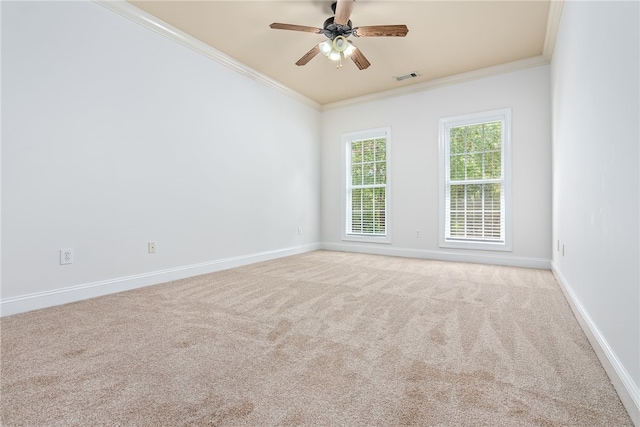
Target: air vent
x,y
406,76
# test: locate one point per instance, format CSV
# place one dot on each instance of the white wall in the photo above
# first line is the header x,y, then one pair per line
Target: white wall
x,y
414,169
595,77
114,135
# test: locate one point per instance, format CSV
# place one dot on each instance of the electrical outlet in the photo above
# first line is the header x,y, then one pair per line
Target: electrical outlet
x,y
417,234
152,247
66,256
299,230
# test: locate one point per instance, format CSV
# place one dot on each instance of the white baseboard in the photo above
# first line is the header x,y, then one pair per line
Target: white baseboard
x,y
23,303
625,386
495,259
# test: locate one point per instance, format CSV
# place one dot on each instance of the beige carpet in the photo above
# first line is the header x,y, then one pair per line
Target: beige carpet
x,y
323,338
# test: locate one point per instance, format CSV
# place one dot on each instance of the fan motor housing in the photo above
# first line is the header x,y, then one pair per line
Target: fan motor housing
x,y
332,30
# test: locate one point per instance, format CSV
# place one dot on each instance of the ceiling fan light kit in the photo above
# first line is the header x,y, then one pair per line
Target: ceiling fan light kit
x,y
338,49
337,29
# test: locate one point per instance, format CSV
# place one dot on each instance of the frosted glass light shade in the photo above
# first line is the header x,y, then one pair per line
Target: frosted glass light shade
x,y
340,43
325,47
349,50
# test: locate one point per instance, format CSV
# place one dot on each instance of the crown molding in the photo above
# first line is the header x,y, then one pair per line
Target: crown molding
x,y
141,17
495,70
553,23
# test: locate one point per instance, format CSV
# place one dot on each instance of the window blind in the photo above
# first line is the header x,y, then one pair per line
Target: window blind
x,y
475,205
366,189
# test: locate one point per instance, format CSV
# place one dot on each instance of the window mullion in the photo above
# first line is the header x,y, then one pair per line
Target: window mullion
x,y
477,181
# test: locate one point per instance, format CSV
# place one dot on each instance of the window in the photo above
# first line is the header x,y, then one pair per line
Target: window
x,y
475,181
367,181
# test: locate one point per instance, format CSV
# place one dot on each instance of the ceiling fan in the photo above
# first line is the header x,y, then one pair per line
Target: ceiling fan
x,y
337,29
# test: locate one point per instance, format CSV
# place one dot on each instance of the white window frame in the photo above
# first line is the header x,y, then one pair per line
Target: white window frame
x,y
347,139
445,124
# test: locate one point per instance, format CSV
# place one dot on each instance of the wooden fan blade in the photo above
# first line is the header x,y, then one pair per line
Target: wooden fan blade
x,y
279,26
358,58
343,11
381,31
308,56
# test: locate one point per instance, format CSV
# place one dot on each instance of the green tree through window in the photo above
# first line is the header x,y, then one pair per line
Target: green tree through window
x,y
475,201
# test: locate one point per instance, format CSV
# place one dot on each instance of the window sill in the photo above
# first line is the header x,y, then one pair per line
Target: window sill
x,y
481,246
366,239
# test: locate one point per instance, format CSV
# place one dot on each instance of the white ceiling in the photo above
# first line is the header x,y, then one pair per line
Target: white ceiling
x,y
446,38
